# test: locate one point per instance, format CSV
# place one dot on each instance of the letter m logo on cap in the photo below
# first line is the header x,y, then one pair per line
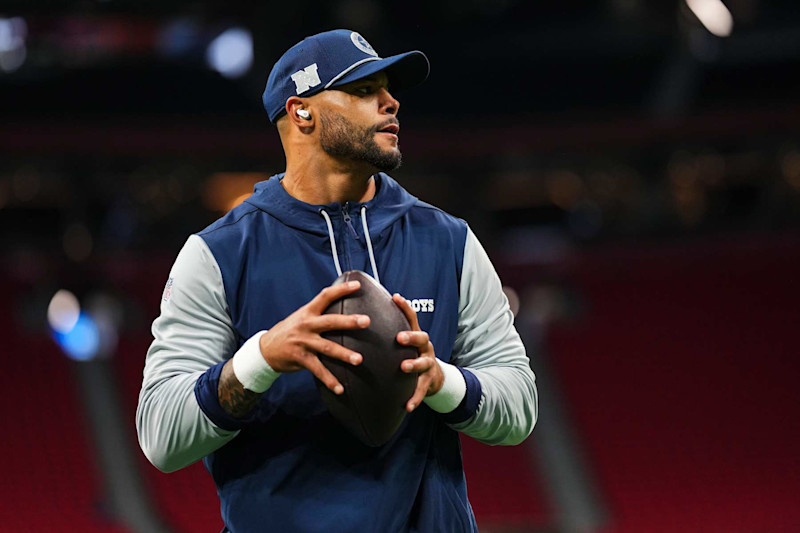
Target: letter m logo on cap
x,y
306,78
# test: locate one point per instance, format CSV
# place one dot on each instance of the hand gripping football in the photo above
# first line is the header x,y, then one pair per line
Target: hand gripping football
x,y
372,406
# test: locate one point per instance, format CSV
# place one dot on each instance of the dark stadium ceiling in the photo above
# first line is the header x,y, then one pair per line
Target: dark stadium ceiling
x,y
489,58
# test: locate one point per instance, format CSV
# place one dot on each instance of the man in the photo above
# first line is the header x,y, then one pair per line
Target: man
x,y
230,374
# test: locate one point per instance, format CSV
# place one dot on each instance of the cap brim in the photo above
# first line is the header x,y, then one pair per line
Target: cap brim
x,y
404,71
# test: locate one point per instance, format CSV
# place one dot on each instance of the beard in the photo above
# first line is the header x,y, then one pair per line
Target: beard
x,y
341,138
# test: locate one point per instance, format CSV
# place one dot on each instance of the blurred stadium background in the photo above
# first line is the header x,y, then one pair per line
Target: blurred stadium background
x,y
633,168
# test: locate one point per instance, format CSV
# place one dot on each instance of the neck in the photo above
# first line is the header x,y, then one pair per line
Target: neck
x,y
317,181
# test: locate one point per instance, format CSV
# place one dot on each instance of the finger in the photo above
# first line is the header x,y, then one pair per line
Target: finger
x,y
328,295
410,314
419,339
315,366
422,388
331,322
335,351
418,365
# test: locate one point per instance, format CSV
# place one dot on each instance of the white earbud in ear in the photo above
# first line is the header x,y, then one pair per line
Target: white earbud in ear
x,y
304,114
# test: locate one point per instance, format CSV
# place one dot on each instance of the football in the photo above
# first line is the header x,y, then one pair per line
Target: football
x,y
372,406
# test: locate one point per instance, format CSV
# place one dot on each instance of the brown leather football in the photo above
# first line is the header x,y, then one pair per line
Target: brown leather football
x,y
372,406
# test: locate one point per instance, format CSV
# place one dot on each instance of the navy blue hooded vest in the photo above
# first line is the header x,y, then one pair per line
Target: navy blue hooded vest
x,y
293,468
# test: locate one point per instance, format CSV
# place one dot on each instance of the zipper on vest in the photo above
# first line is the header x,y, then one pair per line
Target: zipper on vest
x,y
345,241
347,220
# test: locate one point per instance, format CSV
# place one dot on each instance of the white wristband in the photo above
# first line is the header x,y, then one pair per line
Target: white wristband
x,y
452,392
250,367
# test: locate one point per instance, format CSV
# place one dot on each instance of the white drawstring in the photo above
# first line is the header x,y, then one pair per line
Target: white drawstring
x,y
369,243
333,241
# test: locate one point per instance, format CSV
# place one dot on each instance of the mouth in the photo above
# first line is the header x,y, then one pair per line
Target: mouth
x,y
392,128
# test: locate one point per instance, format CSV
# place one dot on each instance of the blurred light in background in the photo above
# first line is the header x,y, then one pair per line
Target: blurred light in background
x,y
238,200
82,341
74,331
713,15
231,53
12,43
63,311
225,190
179,37
84,335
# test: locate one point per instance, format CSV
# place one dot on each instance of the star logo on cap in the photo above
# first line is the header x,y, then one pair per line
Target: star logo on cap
x,y
362,44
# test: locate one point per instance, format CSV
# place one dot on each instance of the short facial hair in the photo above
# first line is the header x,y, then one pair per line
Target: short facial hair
x,y
341,138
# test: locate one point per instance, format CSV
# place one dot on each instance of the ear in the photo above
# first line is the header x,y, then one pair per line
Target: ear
x,y
293,104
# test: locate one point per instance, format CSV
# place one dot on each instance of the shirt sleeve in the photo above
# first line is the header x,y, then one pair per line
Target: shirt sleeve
x,y
193,333
488,350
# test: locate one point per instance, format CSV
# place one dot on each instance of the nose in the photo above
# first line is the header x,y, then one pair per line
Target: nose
x,y
389,103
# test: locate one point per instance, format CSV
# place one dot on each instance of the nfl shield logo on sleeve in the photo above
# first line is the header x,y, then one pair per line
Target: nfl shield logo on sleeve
x,y
167,290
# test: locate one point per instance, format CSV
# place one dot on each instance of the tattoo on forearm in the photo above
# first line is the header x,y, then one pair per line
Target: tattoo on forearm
x,y
233,397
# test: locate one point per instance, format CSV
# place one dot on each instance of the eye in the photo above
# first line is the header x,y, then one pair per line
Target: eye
x,y
364,90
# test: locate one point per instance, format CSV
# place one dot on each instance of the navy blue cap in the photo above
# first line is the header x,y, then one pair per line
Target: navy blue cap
x,y
333,58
